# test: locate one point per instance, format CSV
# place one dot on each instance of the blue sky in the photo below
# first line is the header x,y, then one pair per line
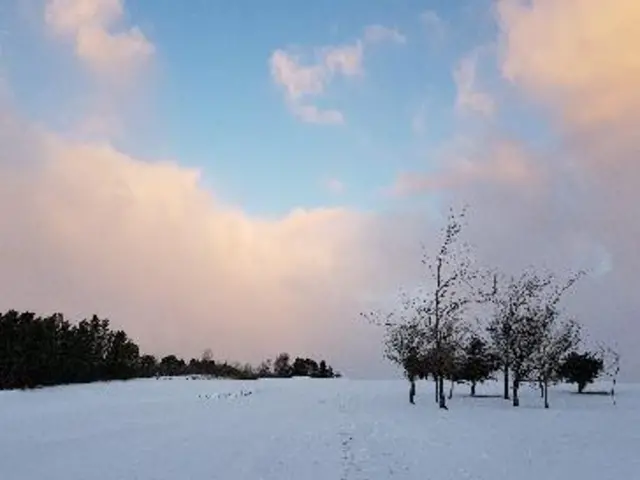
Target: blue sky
x,y
216,106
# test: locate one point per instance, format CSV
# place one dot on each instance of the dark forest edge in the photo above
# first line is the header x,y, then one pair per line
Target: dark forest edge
x,y
38,351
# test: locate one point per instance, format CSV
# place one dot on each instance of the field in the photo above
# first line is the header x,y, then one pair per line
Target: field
x,y
307,429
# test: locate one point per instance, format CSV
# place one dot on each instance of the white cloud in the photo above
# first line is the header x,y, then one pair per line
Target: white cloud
x,y
302,80
298,80
345,59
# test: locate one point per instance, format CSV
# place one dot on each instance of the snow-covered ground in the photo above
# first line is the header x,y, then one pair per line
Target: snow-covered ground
x,y
308,429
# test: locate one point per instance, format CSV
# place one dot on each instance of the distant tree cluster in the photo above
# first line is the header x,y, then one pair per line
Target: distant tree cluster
x,y
43,351
525,334
301,367
37,351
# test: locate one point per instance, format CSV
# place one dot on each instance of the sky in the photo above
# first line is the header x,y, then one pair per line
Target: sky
x,y
221,175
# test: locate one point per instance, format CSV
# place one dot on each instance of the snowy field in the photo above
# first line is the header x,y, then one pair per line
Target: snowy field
x,y
306,429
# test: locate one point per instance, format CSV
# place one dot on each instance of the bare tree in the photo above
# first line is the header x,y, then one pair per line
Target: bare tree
x,y
453,277
435,314
611,360
525,312
509,297
404,347
558,339
407,337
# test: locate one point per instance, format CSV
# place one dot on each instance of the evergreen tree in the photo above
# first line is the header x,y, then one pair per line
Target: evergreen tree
x,y
40,351
581,369
478,363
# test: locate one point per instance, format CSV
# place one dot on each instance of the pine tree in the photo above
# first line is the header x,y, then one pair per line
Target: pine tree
x,y
581,369
478,363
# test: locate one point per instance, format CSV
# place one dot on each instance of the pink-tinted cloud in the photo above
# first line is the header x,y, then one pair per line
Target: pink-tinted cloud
x,y
92,26
504,164
568,203
87,229
577,57
118,58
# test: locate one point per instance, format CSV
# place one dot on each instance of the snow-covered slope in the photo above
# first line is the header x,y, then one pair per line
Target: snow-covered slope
x,y
308,429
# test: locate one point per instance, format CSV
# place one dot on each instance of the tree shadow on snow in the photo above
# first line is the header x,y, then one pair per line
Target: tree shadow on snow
x,y
602,393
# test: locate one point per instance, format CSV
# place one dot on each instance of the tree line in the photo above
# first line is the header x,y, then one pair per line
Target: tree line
x,y
468,324
49,350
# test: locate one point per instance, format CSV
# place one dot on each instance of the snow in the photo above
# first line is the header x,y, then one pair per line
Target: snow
x,y
181,429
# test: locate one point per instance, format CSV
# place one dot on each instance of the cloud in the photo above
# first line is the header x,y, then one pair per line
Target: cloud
x,y
303,81
469,98
565,199
297,80
91,24
504,164
576,60
87,228
119,60
575,56
302,78
345,59
580,68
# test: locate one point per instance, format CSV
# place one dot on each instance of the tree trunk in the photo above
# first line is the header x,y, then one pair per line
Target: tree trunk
x,y
437,392
443,400
451,390
412,392
473,389
613,391
516,398
581,387
546,394
542,387
506,382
